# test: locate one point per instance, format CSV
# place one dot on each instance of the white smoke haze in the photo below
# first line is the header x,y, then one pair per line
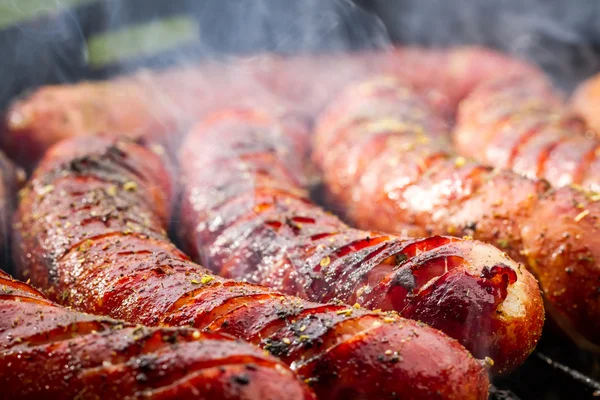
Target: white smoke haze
x,y
47,41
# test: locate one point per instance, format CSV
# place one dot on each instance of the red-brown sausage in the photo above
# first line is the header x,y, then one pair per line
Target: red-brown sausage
x,y
585,102
51,352
246,214
155,105
520,123
90,230
385,161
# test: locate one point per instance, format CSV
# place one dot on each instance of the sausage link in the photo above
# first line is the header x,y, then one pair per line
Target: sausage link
x,y
585,101
519,123
155,105
91,233
405,168
51,352
246,214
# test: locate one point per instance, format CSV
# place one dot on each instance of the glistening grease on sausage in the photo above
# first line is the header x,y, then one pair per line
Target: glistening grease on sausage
x,y
90,231
246,215
51,352
521,123
378,144
585,102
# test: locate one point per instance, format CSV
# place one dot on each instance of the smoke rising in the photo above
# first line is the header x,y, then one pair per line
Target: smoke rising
x,y
47,42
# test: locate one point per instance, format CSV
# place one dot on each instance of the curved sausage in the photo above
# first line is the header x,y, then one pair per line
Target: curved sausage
x,y
520,123
246,214
51,352
378,144
90,231
585,102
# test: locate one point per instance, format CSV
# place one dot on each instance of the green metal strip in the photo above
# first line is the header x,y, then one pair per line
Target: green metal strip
x,y
15,11
141,40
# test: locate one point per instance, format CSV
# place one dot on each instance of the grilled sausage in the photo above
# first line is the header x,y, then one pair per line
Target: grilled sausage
x,y
519,123
51,352
90,231
585,102
246,214
389,152
154,105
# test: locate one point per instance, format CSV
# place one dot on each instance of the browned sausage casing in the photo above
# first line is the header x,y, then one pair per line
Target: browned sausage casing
x,y
520,123
51,352
90,230
378,145
246,214
585,102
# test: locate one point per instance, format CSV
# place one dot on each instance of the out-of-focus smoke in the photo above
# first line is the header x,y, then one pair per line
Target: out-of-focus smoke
x,y
51,44
562,36
44,49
